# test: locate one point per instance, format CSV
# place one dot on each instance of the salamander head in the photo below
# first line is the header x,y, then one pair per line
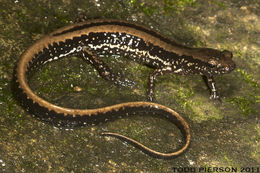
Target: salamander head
x,y
214,61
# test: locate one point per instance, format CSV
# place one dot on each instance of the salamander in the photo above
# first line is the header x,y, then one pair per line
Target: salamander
x,y
94,39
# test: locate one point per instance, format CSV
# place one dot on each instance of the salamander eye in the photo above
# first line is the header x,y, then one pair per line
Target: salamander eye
x,y
212,63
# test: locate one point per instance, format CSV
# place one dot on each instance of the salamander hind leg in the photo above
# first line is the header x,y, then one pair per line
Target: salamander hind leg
x,y
103,70
151,81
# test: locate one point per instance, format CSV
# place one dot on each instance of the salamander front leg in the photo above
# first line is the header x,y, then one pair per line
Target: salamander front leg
x,y
103,69
212,86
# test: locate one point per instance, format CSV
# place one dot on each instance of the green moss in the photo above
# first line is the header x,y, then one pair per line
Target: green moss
x,y
248,78
228,159
8,104
146,9
166,6
245,104
220,4
176,5
184,97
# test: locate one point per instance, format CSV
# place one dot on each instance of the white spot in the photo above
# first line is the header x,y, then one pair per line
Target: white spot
x,y
178,71
190,64
114,35
130,42
168,68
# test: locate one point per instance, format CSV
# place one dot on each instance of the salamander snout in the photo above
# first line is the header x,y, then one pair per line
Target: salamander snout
x,y
227,61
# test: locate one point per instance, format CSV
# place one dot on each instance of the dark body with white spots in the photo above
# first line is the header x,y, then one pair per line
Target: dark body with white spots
x,y
94,39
